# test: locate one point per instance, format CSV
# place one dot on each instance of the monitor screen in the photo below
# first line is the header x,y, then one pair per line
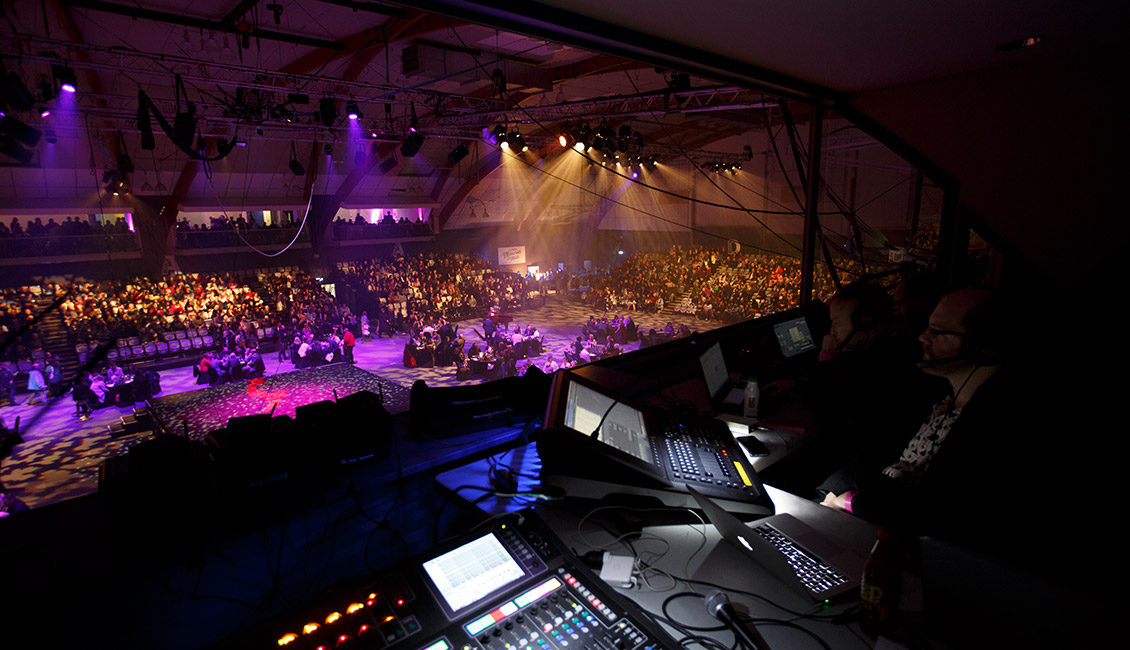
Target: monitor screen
x,y
471,572
793,337
621,426
714,369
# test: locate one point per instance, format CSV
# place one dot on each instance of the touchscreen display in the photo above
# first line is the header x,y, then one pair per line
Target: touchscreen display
x,y
472,571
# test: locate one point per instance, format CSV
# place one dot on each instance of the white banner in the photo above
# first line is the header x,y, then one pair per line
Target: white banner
x,y
511,255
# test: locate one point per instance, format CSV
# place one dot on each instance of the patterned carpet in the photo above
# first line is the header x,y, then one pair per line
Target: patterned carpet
x,y
60,456
205,410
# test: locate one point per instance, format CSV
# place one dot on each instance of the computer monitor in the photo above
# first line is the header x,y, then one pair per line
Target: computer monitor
x,y
608,420
794,337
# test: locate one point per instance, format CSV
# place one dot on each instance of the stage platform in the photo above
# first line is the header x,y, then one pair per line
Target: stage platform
x,y
205,410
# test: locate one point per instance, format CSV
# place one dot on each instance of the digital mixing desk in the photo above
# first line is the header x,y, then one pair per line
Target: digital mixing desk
x,y
510,584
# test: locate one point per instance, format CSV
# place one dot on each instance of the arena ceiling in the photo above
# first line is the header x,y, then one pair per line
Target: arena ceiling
x,y
275,78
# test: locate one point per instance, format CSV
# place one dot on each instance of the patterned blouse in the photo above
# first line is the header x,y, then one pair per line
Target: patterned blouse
x,y
920,451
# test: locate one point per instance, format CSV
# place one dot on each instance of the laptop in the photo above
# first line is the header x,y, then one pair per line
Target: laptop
x,y
725,395
791,550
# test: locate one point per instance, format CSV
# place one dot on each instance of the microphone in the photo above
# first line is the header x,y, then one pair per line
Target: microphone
x,y
938,363
718,604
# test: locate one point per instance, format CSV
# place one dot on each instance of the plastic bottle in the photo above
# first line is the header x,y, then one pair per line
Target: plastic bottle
x,y
752,400
881,586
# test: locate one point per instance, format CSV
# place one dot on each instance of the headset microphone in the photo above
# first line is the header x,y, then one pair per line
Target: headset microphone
x,y
937,363
718,604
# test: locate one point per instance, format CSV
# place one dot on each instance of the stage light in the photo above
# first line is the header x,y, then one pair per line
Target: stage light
x,y
413,122
115,183
411,145
498,134
568,136
516,141
44,113
65,78
352,111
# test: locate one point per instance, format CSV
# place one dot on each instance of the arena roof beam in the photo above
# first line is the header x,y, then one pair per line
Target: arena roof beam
x,y
203,23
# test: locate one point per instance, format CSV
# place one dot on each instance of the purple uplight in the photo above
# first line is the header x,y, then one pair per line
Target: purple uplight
x,y
353,116
68,88
45,114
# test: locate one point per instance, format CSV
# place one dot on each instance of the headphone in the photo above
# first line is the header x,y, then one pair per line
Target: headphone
x,y
872,307
987,341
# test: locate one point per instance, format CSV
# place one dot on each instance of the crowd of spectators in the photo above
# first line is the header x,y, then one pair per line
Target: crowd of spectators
x,y
417,295
144,308
710,284
417,291
71,226
388,226
71,236
17,308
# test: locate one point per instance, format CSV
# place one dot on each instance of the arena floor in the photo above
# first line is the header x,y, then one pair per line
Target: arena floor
x,y
60,456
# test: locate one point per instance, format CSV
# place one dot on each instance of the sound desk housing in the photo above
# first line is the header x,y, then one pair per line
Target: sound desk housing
x,y
509,585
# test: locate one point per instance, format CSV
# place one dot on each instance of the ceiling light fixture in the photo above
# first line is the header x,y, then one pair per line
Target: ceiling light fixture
x,y
65,78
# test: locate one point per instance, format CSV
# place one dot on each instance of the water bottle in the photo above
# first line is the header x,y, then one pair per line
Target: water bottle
x,y
881,586
752,398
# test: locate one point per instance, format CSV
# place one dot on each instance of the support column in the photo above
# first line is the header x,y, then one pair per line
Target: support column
x,y
811,198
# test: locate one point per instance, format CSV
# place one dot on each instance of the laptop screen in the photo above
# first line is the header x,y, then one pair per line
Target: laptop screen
x,y
794,337
621,426
714,369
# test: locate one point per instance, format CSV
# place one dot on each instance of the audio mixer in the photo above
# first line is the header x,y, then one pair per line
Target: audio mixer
x,y
510,585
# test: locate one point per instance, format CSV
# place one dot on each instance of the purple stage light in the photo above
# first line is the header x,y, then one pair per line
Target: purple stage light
x,y
68,88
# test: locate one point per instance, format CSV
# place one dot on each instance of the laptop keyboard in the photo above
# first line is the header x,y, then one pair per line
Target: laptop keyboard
x,y
814,574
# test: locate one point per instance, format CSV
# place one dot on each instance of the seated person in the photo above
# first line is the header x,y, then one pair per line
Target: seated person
x,y
866,395
204,369
98,391
301,354
962,476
